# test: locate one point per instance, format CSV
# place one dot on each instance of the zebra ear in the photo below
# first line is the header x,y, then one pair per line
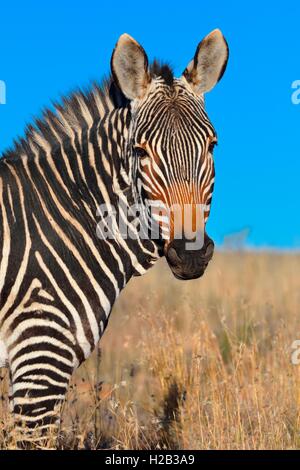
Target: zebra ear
x,y
129,66
209,63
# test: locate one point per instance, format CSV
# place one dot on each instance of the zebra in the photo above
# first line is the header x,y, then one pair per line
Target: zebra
x,y
141,136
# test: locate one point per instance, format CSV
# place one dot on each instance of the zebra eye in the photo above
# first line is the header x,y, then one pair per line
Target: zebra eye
x,y
140,152
211,146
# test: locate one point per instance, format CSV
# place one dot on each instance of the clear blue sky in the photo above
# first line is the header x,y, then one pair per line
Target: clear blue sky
x,y
48,48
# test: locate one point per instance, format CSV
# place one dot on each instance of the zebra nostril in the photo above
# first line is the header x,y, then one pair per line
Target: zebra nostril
x,y
172,256
209,250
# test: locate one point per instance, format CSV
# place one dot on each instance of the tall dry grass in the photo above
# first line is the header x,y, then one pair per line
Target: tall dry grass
x,y
204,364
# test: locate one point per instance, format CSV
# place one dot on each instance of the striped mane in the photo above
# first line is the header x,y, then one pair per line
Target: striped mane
x,y
76,111
79,110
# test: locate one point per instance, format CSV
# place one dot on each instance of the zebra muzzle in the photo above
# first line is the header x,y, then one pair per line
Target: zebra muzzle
x,y
186,263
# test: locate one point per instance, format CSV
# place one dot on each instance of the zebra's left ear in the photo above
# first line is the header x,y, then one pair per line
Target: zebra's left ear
x,y
129,66
209,63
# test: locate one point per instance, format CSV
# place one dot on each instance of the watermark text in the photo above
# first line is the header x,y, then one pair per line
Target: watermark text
x,y
2,92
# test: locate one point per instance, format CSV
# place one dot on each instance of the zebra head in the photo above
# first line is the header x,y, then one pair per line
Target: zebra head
x,y
171,144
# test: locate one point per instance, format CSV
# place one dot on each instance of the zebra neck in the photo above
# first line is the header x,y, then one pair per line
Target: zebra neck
x,y
80,168
90,168
114,131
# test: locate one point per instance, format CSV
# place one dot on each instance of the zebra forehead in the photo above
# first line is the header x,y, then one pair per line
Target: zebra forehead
x,y
165,119
170,103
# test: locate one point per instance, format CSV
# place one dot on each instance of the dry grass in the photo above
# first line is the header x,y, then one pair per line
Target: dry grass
x,y
204,364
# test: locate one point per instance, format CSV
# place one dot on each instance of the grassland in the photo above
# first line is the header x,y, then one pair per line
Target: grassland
x,y
204,364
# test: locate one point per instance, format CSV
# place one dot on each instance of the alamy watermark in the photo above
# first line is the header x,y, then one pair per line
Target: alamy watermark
x,y
296,93
153,221
2,92
295,356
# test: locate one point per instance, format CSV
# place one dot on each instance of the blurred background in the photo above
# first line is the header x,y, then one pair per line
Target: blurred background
x,y
50,48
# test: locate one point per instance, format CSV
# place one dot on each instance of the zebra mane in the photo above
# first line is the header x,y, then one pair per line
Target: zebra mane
x,y
78,110
163,70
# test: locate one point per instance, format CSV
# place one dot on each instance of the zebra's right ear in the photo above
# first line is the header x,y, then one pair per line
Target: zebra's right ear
x,y
129,66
